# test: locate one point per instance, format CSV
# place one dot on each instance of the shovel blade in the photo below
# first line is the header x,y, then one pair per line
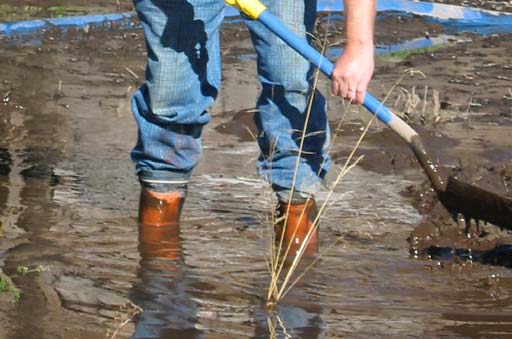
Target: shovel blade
x,y
476,203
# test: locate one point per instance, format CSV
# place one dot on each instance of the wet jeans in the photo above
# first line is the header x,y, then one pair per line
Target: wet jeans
x,y
183,79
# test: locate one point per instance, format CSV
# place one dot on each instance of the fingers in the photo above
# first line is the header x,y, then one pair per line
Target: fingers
x,y
341,86
335,87
349,89
361,92
363,86
351,95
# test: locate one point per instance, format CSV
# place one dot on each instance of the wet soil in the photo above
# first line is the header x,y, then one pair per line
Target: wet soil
x,y
11,10
495,5
402,267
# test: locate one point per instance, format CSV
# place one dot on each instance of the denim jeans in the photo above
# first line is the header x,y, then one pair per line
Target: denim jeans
x,y
182,81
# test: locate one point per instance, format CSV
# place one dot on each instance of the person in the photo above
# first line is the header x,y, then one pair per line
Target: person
x,y
182,81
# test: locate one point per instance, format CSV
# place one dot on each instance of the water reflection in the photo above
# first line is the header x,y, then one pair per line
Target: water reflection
x,y
500,255
403,46
290,321
175,306
168,310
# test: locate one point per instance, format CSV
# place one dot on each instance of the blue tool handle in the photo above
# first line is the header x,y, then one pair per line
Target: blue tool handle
x,y
303,48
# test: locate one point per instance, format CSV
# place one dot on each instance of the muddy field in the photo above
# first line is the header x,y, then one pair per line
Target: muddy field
x,y
12,10
401,268
495,5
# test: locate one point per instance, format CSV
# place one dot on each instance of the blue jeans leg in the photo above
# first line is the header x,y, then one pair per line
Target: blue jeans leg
x,y
286,80
182,81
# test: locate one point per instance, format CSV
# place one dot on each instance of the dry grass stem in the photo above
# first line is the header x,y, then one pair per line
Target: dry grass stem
x,y
132,72
273,290
313,229
130,310
278,268
250,133
274,323
279,286
310,266
509,96
410,106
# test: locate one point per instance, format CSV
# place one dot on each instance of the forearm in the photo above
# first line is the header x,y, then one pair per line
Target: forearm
x,y
360,17
354,68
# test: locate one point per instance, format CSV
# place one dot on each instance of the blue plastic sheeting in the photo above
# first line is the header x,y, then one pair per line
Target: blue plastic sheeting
x,y
441,12
21,27
34,26
464,18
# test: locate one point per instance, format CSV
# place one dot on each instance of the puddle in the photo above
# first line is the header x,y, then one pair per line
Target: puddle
x,y
500,255
397,50
449,244
417,45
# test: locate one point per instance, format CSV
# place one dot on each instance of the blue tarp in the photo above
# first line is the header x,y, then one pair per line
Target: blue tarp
x,y
440,12
82,21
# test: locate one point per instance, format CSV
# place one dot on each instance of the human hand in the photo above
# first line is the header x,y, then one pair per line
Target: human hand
x,y
352,72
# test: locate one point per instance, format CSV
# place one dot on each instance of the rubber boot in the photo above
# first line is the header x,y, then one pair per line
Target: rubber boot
x,y
160,208
160,243
159,214
298,223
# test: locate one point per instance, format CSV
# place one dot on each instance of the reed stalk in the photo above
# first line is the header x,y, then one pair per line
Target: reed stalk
x,y
281,278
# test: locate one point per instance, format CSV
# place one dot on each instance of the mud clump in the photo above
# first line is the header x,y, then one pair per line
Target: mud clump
x,y
493,178
496,179
443,235
445,242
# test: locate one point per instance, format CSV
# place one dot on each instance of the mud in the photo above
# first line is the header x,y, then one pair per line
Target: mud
x,y
495,5
429,164
462,197
11,10
476,203
402,267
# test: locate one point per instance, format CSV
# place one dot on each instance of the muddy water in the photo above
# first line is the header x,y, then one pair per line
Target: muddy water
x,y
68,201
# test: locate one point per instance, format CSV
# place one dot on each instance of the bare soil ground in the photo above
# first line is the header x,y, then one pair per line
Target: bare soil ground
x,y
495,5
11,10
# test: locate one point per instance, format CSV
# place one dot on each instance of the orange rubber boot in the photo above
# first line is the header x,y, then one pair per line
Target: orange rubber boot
x,y
300,220
159,215
160,209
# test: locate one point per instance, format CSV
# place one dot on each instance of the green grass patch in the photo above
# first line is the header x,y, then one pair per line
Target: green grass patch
x,y
7,286
24,270
18,13
61,11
